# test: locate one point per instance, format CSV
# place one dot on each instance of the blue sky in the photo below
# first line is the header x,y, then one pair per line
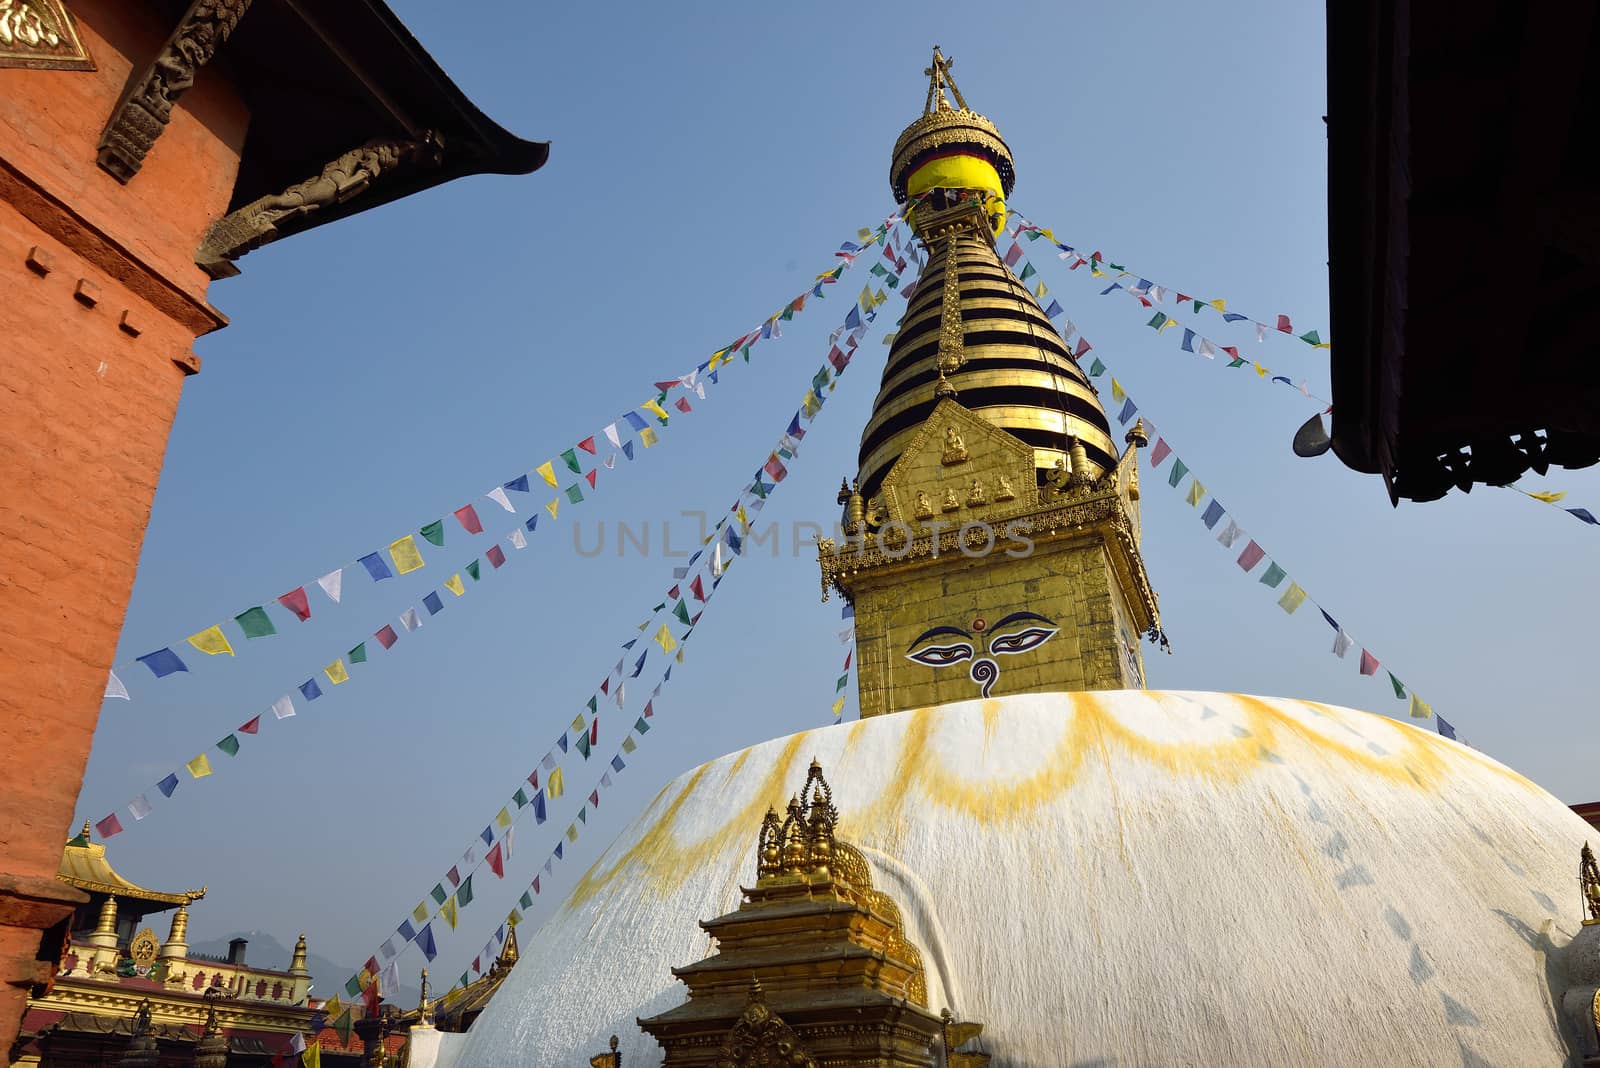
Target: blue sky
x,y
705,163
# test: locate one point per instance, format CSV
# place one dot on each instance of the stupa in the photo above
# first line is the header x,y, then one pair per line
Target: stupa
x,y
1019,856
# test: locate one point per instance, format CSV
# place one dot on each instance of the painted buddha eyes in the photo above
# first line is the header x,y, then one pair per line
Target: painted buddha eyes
x,y
1019,638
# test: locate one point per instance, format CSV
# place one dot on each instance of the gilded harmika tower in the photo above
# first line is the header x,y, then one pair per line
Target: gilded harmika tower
x,y
992,532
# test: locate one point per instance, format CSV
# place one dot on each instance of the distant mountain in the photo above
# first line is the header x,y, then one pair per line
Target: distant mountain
x,y
327,977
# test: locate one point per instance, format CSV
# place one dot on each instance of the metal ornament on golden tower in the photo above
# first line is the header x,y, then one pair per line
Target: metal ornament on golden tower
x,y
992,528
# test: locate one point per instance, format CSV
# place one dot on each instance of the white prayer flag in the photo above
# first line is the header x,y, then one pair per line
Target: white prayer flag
x,y
622,688
409,620
1208,349
605,780
1230,534
716,559
297,1043
611,461
549,865
1158,294
332,583
549,762
1068,330
1261,332
517,539
1341,644
611,436
114,688
846,634
498,496
283,708
140,807
507,841
389,950
389,978
469,858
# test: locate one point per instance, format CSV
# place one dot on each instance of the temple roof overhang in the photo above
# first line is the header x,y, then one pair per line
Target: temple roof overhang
x,y
1464,247
84,865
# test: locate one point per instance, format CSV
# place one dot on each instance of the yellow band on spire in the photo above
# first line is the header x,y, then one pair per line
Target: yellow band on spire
x,y
961,171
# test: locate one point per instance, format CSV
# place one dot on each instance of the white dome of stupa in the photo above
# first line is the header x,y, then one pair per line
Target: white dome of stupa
x,y
1112,878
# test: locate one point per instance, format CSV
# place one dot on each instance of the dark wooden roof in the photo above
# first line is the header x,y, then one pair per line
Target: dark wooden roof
x,y
1464,222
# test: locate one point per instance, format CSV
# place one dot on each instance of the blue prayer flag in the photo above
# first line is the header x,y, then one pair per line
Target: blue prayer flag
x,y
487,834
1188,340
376,567
617,764
733,540
1233,317
426,943
629,643
627,449
766,329
853,320
1334,623
562,742
167,785
433,604
794,430
1444,727
1127,413
408,932
1585,515
163,662
640,665
1144,284
668,676
538,807
520,484
847,611
310,690
1213,513
635,420
558,851
1109,288
533,522
1054,309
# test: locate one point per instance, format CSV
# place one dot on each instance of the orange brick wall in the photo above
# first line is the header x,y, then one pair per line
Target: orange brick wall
x,y
93,353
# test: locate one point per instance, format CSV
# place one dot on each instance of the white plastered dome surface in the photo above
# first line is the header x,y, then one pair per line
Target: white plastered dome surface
x,y
1133,878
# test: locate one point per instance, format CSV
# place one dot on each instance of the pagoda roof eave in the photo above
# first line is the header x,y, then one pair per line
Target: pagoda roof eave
x,y
84,866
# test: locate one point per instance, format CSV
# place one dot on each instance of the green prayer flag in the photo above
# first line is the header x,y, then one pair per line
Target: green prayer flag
x,y
788,313
520,798
571,459
255,622
1237,361
1027,272
582,744
358,655
640,726
352,986
746,353
472,569
892,281
879,269
840,684
434,532
1179,469
1158,320
1273,575
682,612
1311,337
592,705
1033,235
575,493
438,894
583,814
1097,368
342,1024
1198,305
819,379
464,895
659,607
526,900
1399,690
229,745
463,980
1116,266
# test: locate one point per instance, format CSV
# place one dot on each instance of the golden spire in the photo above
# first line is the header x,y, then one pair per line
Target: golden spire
x,y
176,946
1589,883
939,78
297,963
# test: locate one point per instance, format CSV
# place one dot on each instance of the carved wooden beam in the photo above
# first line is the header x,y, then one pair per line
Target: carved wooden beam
x,y
268,218
146,106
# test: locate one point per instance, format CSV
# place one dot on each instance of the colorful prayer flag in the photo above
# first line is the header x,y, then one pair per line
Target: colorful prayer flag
x,y
434,533
199,767
163,662
405,555
1292,598
336,672
255,622
211,641
229,745
1251,556
375,567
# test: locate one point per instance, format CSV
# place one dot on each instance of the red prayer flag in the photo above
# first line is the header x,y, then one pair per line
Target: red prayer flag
x,y
295,601
453,875
1183,298
1160,452
682,404
664,386
1013,254
672,594
1083,347
496,864
587,445
496,555
386,637
109,826
648,709
847,657
373,995
1252,555
468,516
594,731
252,727
697,589
775,469
594,798
838,359
1283,324
1232,351
1369,663
800,302
533,778
536,884
590,476
475,967
605,687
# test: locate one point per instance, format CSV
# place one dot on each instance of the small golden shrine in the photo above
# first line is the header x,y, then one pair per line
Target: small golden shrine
x,y
813,968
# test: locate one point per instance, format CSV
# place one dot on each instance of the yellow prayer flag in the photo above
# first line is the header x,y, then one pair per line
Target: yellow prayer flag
x,y
420,913
838,708
556,785
1096,271
628,744
866,298
1040,291
1261,371
547,471
449,912
717,358
665,639
879,297
311,1056
864,234
406,557
1292,598
503,818
1196,493
572,832
652,406
578,723
336,672
679,657
332,1007
744,520
1420,708
453,584
553,507
1220,304
199,767
1163,326
648,437
513,918
211,641
1547,496
1049,234
1117,392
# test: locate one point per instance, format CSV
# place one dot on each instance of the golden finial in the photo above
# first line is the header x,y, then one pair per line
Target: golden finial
x,y
607,1060
939,78
1589,884
1138,437
84,834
